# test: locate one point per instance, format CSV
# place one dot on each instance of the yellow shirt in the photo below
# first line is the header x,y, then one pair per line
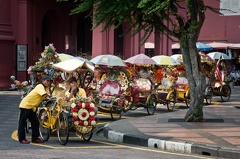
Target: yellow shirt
x,y
81,93
34,98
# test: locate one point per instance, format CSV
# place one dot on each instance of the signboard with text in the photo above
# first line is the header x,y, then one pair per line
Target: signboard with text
x,y
22,57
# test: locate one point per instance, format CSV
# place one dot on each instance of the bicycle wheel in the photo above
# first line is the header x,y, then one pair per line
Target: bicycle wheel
x,y
151,105
225,93
208,95
171,101
116,109
62,128
43,129
87,136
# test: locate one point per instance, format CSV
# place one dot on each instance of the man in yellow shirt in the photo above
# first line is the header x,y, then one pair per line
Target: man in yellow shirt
x,y
28,107
74,90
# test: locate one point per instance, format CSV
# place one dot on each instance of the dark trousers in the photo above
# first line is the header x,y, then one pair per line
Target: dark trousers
x,y
32,117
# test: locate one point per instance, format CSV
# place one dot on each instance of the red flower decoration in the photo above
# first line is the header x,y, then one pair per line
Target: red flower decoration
x,y
136,98
75,118
89,122
91,118
75,110
79,105
87,105
91,109
84,114
81,122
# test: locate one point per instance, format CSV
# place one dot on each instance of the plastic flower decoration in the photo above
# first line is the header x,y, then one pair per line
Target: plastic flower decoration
x,y
83,114
48,57
21,86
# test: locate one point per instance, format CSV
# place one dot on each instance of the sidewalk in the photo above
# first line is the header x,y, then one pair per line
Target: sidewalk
x,y
218,136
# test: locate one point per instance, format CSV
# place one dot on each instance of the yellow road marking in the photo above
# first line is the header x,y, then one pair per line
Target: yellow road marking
x,y
14,136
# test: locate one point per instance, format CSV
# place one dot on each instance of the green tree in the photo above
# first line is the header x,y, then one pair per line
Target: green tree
x,y
184,18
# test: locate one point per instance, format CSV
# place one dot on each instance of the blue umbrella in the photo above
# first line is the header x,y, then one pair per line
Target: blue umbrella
x,y
203,47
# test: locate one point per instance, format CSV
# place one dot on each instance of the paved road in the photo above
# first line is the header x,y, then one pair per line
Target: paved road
x,y
98,147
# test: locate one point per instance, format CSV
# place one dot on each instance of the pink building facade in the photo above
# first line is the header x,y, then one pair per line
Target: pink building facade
x,y
27,26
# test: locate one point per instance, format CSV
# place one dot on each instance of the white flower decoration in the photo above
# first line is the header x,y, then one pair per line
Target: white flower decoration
x,y
80,112
93,122
73,105
92,113
76,122
75,114
84,129
92,105
85,123
83,105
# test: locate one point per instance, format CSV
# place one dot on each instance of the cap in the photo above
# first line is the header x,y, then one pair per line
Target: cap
x,y
72,79
48,78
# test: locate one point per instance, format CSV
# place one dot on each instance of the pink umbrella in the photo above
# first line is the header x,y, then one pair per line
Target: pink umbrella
x,y
234,46
219,45
140,59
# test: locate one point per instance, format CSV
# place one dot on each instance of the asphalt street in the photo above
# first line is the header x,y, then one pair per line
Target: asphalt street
x,y
98,147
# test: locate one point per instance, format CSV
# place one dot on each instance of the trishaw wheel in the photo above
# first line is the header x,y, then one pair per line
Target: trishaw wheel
x,y
225,93
87,136
171,101
208,95
151,105
43,130
116,110
62,128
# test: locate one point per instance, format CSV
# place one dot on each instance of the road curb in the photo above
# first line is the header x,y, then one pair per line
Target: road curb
x,y
181,147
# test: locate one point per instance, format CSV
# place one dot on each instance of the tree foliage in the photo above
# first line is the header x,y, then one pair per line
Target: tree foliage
x,y
147,15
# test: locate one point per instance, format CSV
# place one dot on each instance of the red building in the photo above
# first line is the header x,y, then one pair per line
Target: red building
x,y
27,26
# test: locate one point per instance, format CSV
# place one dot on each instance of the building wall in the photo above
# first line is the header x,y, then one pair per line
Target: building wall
x,y
7,40
21,23
220,28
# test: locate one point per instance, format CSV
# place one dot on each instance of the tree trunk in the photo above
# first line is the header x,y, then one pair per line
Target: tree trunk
x,y
196,80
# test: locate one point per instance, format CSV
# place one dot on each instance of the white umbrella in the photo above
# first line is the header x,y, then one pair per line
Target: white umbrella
x,y
219,55
71,65
165,60
64,57
177,57
108,60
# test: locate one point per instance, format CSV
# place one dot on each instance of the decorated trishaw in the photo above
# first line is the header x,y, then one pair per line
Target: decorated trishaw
x,y
165,86
165,80
141,92
112,85
183,92
218,81
122,87
56,114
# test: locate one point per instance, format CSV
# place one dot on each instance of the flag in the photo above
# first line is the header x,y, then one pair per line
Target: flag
x,y
218,72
